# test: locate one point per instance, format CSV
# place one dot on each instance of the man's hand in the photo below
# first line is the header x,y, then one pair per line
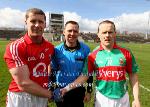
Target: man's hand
x,y
57,95
87,97
65,90
50,99
136,103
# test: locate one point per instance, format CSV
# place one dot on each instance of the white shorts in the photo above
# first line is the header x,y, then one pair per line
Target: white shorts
x,y
103,101
22,99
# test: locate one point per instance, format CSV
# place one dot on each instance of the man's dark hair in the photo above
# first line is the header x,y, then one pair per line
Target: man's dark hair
x,y
72,22
107,21
35,11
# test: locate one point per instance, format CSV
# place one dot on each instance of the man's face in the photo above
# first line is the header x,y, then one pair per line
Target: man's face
x,y
35,24
71,33
107,34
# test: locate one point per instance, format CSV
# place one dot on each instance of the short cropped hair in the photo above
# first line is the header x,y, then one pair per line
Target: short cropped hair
x,y
35,11
108,22
72,22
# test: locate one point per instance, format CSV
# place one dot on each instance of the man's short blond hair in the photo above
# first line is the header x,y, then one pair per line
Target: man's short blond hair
x,y
107,22
35,11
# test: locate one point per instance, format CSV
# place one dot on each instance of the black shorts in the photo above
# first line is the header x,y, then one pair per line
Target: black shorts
x,y
73,98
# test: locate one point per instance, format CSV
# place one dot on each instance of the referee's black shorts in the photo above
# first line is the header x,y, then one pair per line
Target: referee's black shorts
x,y
73,98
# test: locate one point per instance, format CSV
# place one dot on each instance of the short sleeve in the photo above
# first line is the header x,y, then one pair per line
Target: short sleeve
x,y
54,62
85,68
135,67
15,55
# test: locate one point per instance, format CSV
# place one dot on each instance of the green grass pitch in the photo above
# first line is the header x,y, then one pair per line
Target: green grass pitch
x,y
140,51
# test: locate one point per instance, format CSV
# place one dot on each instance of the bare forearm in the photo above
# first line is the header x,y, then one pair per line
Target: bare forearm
x,y
135,85
21,77
78,82
136,91
35,89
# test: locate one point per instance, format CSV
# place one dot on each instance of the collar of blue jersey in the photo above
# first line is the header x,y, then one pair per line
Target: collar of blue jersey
x,y
28,39
72,49
101,48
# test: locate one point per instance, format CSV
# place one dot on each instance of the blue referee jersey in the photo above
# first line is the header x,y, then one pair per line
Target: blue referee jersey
x,y
68,64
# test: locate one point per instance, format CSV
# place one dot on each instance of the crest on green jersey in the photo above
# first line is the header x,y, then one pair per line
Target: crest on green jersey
x,y
122,61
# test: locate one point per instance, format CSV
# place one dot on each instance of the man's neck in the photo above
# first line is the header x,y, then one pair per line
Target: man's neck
x,y
108,48
37,39
72,48
71,44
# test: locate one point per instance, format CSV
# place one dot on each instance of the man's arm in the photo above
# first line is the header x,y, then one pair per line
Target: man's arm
x,y
54,68
21,76
78,82
133,78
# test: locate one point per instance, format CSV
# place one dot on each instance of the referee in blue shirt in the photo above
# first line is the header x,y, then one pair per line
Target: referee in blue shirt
x,y
67,65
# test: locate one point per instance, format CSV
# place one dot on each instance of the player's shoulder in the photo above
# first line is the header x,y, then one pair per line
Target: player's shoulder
x,y
49,44
59,46
95,50
17,43
15,47
84,45
124,49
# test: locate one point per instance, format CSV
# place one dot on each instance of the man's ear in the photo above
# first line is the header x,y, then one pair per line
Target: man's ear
x,y
45,25
115,34
98,35
63,32
25,22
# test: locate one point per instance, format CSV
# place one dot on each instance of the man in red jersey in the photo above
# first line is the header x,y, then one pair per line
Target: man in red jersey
x,y
111,62
28,60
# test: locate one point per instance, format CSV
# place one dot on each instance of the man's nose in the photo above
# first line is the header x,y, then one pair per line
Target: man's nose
x,y
72,32
107,34
37,24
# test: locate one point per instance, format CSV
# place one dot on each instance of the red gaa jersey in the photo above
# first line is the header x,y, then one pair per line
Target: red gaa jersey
x,y
36,56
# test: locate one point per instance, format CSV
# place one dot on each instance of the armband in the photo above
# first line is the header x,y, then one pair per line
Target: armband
x,y
89,84
89,88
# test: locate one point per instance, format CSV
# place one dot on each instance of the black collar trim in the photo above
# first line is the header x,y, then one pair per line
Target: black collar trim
x,y
72,49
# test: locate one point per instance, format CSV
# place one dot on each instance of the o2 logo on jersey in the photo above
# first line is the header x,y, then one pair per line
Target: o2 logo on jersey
x,y
42,72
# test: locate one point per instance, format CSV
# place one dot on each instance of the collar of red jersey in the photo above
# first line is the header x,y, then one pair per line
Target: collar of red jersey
x,y
28,39
114,47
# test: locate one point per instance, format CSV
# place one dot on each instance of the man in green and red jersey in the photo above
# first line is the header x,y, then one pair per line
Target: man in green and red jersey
x,y
111,63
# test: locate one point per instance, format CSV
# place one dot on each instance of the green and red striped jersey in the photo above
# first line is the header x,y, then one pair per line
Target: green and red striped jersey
x,y
110,68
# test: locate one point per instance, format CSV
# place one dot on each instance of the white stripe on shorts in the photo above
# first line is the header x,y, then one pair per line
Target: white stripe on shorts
x,y
103,101
22,99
